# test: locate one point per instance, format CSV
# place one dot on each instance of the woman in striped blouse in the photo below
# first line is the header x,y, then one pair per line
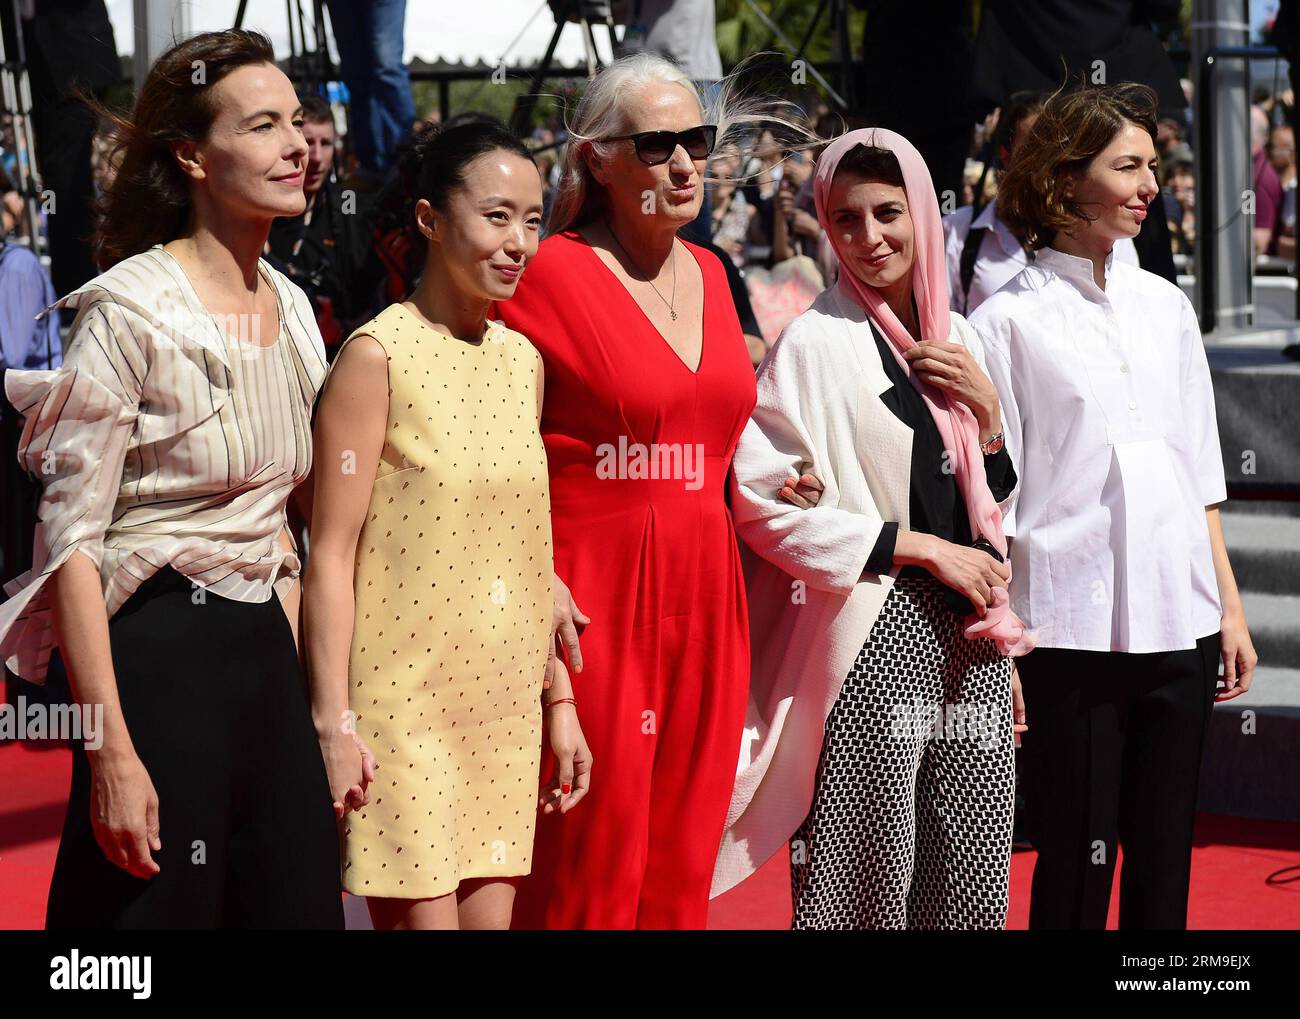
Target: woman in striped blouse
x,y
167,446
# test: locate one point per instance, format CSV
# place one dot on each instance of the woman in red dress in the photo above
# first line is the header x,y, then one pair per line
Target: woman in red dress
x,y
648,386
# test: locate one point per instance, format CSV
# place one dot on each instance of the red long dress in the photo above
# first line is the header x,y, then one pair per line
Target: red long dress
x,y
653,561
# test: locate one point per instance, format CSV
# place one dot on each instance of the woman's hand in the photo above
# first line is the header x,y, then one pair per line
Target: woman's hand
x,y
349,767
572,755
566,617
804,491
124,813
1238,653
951,368
970,571
572,761
1017,703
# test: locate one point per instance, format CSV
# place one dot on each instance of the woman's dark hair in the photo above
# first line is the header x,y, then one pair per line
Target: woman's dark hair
x,y
871,163
1072,129
432,162
148,200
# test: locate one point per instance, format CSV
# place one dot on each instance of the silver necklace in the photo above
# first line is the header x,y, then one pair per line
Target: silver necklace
x,y
671,310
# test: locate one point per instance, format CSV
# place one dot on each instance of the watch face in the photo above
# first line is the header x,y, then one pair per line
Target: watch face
x,y
994,445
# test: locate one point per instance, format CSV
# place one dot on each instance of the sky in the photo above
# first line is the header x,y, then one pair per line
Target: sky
x,y
450,29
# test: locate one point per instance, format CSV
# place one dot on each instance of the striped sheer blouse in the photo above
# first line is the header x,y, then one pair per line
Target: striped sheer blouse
x,y
163,439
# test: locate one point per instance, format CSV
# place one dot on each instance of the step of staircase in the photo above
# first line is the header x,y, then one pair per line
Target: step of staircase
x,y
1262,507
1274,621
1265,551
1252,754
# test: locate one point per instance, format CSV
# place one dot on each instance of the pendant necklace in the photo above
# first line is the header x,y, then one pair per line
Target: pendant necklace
x,y
671,310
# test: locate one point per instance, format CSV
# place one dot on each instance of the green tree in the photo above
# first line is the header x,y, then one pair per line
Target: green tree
x,y
741,31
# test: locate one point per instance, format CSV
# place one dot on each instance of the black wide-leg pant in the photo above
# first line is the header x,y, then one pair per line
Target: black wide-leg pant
x,y
215,704
1113,757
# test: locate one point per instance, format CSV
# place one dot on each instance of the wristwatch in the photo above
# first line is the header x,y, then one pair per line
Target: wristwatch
x,y
991,445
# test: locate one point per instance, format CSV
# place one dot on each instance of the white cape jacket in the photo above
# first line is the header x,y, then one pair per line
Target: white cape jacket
x,y
811,606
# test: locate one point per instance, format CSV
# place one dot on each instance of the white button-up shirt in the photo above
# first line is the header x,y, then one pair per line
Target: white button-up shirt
x,y
1001,256
1108,412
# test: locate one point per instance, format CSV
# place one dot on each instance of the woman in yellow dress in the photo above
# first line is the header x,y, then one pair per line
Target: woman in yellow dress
x,y
430,597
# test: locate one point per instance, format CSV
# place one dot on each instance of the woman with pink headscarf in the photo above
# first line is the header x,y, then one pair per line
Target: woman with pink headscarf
x,y
879,742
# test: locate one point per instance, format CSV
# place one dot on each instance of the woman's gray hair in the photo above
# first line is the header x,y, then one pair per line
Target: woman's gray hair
x,y
602,112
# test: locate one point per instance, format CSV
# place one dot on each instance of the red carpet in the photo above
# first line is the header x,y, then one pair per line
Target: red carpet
x,y
1231,859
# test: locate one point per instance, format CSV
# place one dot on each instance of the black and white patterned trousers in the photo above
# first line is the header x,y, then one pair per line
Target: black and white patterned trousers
x,y
910,824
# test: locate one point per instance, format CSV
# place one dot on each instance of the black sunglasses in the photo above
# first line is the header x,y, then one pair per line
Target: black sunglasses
x,y
655,147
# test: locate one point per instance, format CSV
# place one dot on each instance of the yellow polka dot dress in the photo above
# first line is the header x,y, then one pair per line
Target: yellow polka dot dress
x,y
453,606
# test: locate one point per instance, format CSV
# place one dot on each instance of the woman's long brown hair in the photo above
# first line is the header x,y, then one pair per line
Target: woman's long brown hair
x,y
147,202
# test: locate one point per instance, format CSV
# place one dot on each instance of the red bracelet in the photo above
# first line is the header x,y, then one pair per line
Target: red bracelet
x,y
561,700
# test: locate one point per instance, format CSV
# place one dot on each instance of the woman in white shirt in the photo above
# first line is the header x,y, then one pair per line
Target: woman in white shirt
x,y
879,738
982,252
1118,560
167,446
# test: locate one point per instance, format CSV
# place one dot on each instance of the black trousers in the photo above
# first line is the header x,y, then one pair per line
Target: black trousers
x,y
1113,756
215,704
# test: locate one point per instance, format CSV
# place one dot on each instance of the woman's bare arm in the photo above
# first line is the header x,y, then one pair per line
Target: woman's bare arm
x,y
125,808
81,625
348,440
1235,646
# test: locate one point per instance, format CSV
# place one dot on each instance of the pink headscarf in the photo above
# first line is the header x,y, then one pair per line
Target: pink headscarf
x,y
956,423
